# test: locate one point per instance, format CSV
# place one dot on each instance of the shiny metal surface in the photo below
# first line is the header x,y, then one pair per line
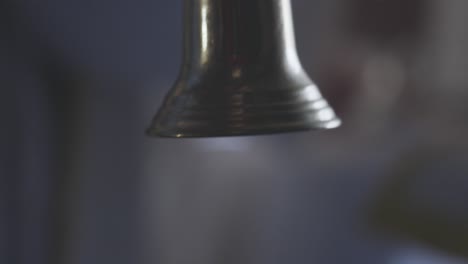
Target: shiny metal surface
x,y
241,75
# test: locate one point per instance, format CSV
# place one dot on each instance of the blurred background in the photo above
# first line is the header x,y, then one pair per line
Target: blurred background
x,y
80,183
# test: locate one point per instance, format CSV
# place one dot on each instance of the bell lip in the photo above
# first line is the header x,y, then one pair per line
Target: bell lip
x,y
160,133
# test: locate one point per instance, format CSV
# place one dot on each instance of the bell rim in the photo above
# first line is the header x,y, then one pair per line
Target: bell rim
x,y
207,133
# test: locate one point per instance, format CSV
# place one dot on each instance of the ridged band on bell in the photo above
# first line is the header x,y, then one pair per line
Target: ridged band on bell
x,y
241,75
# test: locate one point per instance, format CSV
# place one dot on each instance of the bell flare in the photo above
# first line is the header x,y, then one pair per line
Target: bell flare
x,y
242,112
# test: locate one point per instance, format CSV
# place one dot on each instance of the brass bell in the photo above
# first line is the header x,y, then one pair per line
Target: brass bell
x,y
240,75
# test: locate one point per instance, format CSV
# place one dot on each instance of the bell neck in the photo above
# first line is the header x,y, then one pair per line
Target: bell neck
x,y
239,33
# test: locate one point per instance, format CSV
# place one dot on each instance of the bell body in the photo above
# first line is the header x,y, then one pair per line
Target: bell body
x,y
241,74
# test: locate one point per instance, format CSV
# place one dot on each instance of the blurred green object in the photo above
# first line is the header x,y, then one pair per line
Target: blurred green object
x,y
413,206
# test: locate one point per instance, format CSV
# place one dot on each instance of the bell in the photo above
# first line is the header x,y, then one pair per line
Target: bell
x,y
240,75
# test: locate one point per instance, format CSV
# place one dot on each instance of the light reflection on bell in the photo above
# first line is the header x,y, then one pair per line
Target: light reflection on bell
x,y
241,75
